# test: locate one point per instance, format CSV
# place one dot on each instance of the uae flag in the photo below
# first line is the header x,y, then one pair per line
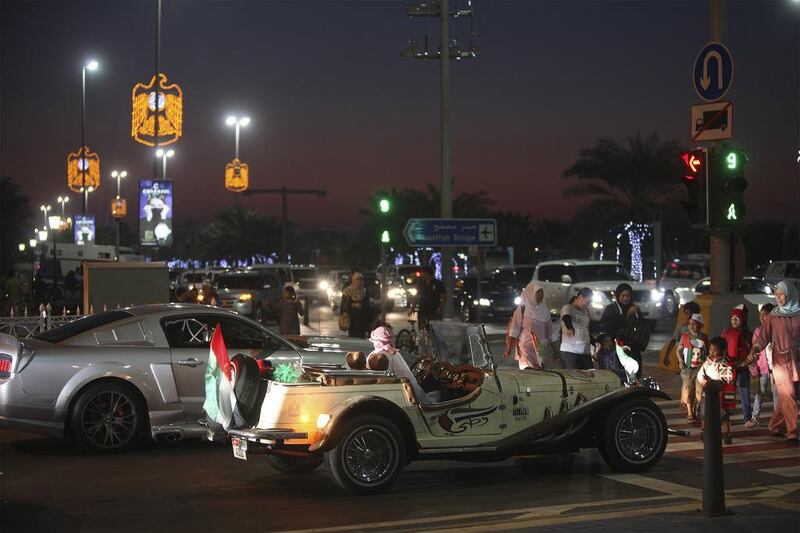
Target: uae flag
x,y
220,403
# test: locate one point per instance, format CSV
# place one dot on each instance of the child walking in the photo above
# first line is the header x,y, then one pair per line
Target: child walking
x,y
716,367
691,352
739,341
761,369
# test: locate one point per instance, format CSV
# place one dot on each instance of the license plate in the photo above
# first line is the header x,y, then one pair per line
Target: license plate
x,y
239,448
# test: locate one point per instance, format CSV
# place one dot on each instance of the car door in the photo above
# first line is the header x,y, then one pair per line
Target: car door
x,y
189,351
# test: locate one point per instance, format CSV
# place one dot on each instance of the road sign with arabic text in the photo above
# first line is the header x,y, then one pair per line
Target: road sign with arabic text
x,y
451,232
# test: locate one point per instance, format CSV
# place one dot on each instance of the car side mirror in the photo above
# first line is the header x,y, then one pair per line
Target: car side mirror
x,y
566,278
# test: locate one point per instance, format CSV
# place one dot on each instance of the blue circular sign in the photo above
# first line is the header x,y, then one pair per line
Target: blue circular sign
x,y
713,72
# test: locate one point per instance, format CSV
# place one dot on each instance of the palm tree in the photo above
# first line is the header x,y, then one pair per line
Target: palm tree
x,y
15,217
627,184
238,233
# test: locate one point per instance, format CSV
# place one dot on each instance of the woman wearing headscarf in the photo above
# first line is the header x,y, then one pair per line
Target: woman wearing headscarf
x,y
530,329
575,339
355,303
383,342
782,329
614,316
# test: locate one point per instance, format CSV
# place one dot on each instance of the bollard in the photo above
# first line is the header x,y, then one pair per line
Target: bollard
x,y
713,474
306,319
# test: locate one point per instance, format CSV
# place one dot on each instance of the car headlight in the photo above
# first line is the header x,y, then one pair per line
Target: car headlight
x,y
767,289
395,293
600,298
517,300
323,285
656,295
200,297
485,302
245,297
412,291
322,420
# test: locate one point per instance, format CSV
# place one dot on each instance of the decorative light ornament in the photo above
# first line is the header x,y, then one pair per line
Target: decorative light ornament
x,y
237,176
167,106
83,164
119,208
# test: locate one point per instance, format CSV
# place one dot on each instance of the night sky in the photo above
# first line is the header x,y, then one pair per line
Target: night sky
x,y
334,106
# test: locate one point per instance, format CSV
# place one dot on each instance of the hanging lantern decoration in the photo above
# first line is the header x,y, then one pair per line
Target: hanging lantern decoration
x,y
169,112
83,170
237,176
119,208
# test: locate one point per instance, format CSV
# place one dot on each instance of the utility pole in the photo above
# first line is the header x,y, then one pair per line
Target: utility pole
x,y
285,192
447,49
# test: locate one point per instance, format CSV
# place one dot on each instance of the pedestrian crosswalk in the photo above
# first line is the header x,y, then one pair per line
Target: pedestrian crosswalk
x,y
752,447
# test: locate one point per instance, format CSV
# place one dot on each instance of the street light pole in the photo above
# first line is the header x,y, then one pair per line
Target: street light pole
x,y
118,176
164,155
83,163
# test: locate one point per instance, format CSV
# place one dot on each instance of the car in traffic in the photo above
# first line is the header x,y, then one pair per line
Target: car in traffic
x,y
755,291
250,292
517,275
367,425
305,280
678,281
560,280
783,270
497,299
108,378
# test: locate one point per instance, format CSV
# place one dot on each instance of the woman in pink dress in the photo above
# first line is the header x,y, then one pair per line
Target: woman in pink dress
x,y
782,329
530,329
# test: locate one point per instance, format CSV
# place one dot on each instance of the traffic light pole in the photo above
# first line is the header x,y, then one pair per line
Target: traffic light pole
x,y
720,239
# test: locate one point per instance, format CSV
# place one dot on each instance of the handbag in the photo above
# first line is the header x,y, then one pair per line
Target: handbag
x,y
344,321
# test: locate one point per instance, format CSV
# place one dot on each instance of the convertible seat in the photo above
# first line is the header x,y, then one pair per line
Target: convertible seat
x,y
455,402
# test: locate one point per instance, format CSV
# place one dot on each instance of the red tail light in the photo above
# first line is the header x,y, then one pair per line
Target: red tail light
x,y
5,366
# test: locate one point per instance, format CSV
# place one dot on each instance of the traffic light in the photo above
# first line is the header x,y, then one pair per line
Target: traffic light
x,y
384,205
726,194
385,236
695,178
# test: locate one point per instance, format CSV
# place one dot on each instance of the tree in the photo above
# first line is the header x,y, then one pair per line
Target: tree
x,y
238,233
15,228
627,183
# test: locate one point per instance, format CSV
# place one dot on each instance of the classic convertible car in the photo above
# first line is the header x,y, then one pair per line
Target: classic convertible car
x,y
367,425
108,377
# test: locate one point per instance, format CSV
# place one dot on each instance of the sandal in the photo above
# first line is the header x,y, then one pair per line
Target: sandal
x,y
691,420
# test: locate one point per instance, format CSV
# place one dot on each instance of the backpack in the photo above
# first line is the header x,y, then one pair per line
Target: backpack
x,y
636,333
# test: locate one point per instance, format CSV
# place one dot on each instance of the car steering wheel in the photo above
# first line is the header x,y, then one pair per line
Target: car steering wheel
x,y
422,368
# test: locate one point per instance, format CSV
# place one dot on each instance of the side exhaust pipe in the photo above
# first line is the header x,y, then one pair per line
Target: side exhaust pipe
x,y
169,437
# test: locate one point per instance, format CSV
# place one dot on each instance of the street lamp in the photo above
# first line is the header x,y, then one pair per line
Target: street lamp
x,y
21,247
164,154
55,223
119,208
63,201
86,191
32,243
237,122
92,65
45,209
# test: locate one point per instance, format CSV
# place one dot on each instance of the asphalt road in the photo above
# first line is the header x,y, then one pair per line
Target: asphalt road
x,y
49,485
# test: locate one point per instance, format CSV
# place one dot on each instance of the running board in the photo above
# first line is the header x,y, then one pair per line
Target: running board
x,y
434,451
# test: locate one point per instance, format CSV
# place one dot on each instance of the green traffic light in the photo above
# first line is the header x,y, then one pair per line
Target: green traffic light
x,y
732,161
731,214
385,236
384,205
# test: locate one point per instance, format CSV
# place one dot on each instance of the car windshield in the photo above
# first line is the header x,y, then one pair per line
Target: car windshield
x,y
601,272
683,271
82,325
457,343
304,273
240,282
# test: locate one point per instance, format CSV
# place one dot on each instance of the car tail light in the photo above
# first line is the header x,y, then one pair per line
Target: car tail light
x,y
5,366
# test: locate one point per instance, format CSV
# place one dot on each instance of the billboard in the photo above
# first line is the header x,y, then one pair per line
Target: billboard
x,y
155,213
83,226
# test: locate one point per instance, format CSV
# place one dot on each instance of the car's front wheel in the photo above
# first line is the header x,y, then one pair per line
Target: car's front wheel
x,y
634,436
107,417
295,465
368,456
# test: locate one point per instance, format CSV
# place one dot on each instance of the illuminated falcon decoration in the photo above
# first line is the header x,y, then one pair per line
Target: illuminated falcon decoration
x,y
237,176
83,170
169,112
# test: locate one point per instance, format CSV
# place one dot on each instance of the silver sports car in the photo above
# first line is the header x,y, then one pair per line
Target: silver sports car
x,y
108,377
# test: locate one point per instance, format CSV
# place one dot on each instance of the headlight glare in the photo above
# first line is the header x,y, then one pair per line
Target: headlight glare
x,y
323,420
245,297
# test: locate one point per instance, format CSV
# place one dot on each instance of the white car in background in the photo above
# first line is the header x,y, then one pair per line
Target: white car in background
x,y
560,280
678,282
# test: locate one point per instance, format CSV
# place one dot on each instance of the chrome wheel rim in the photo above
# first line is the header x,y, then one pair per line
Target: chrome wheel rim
x,y
370,455
109,419
638,435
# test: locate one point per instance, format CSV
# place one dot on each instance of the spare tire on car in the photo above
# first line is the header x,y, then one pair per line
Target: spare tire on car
x,y
248,387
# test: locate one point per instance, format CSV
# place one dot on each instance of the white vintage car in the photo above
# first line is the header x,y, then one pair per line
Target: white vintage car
x,y
367,425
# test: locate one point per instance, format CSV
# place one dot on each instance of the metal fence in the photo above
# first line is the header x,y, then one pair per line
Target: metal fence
x,y
27,326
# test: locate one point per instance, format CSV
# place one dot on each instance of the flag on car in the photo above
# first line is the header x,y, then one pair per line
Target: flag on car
x,y
220,403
